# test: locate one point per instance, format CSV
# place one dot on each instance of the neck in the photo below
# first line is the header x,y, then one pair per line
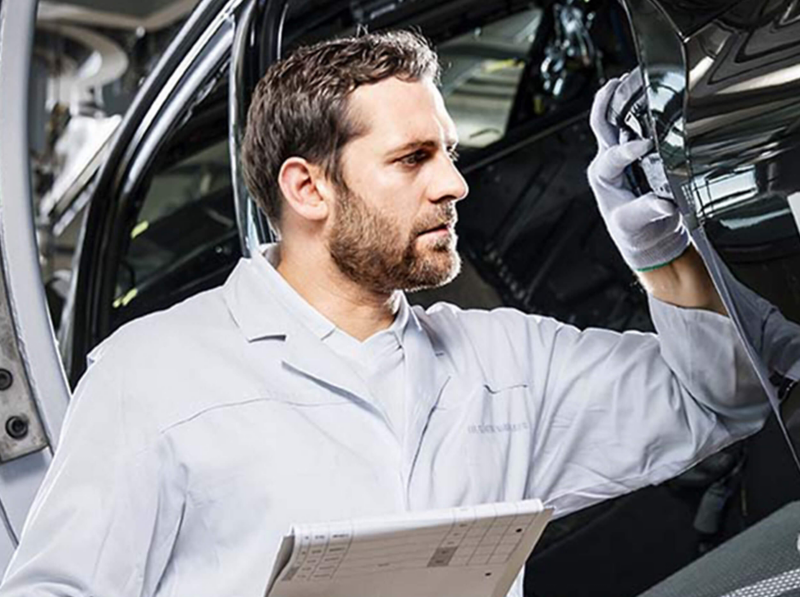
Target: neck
x,y
355,310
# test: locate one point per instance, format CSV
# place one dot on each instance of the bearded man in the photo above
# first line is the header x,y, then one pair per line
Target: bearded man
x,y
307,389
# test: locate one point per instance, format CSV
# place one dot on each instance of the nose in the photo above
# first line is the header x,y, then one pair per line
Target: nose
x,y
448,184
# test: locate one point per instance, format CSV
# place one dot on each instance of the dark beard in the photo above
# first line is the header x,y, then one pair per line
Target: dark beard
x,y
367,248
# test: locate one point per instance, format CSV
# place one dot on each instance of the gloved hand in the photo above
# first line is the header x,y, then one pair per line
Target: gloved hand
x,y
647,230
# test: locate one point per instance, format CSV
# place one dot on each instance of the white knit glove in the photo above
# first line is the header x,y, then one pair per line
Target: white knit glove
x,y
647,230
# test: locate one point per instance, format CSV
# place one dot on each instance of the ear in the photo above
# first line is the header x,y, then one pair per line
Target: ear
x,y
305,189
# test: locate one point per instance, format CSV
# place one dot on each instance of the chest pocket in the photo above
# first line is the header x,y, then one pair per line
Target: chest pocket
x,y
483,436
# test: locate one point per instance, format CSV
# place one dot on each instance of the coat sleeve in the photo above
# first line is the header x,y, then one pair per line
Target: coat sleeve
x,y
105,518
615,412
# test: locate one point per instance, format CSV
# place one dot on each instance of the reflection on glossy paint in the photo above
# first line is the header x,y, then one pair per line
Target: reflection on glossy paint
x,y
794,206
699,70
784,76
716,194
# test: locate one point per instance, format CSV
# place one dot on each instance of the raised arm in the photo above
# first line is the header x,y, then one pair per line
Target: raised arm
x,y
620,411
617,412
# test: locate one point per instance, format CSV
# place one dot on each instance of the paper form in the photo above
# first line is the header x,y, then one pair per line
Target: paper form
x,y
474,551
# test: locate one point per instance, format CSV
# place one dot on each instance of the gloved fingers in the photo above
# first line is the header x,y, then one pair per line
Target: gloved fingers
x,y
605,133
646,219
630,84
649,232
610,163
609,194
661,205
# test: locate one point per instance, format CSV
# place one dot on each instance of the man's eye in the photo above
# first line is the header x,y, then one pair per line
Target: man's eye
x,y
453,153
415,158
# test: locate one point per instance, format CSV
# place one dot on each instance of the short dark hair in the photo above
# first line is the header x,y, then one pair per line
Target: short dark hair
x,y
300,106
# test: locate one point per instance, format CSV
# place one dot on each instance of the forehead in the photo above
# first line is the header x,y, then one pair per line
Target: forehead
x,y
395,112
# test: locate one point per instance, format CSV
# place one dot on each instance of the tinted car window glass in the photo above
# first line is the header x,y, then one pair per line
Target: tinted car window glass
x,y
482,70
197,176
182,191
186,217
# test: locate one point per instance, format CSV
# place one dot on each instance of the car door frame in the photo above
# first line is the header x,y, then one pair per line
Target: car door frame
x,y
34,387
202,45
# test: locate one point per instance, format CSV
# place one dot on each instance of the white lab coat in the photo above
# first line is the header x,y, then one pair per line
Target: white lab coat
x,y
201,433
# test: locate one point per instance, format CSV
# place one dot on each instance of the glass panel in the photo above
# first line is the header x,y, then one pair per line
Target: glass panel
x,y
482,71
187,213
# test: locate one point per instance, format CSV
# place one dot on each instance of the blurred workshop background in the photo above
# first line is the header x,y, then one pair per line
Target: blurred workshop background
x,y
90,57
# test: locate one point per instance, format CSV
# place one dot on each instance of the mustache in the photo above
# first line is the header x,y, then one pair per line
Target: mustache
x,y
446,216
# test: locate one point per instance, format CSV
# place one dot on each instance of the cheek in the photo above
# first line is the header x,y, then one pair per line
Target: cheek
x,y
410,221
401,225
398,206
395,195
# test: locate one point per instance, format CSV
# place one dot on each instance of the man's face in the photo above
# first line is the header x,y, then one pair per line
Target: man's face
x,y
393,223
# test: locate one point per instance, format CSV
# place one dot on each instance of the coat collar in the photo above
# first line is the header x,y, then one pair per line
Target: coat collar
x,y
264,305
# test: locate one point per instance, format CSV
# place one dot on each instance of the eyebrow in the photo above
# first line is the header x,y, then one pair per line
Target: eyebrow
x,y
420,144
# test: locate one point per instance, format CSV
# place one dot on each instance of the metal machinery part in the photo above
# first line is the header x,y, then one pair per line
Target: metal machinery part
x,y
23,432
723,85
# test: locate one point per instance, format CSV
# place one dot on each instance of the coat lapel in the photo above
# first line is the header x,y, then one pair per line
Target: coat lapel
x,y
311,358
426,378
260,315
